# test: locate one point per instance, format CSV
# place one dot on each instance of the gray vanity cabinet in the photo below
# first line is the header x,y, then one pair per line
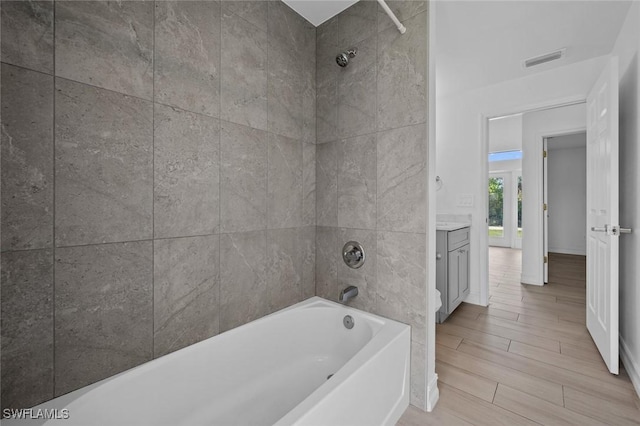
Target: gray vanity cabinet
x,y
452,269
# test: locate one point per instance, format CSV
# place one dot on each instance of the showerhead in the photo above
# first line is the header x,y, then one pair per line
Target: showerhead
x,y
343,58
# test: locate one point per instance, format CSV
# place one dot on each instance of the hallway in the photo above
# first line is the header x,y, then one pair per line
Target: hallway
x,y
527,358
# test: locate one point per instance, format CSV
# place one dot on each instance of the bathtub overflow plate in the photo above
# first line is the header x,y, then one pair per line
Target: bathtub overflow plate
x,y
353,254
348,322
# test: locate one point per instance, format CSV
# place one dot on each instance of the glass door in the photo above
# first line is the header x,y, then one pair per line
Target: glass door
x,y
517,241
499,210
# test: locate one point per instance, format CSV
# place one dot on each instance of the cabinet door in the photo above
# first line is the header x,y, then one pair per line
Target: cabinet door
x,y
458,285
464,272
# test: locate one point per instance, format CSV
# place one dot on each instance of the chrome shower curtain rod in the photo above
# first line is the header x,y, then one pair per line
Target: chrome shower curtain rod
x,y
393,17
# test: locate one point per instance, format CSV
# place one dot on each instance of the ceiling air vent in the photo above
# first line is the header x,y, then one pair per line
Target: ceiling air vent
x,y
547,57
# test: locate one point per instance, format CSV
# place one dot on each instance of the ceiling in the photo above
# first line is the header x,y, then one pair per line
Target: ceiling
x,y
318,11
479,43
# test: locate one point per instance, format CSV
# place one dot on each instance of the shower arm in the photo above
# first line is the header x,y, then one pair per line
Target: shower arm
x,y
393,17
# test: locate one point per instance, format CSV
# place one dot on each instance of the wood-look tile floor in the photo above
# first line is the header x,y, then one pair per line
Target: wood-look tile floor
x,y
527,358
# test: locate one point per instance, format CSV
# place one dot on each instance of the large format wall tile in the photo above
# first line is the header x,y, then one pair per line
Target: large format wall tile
x,y
327,257
357,182
187,53
231,148
243,278
326,111
103,305
27,328
327,184
309,96
288,28
285,90
308,184
27,159
104,168
327,81
27,34
243,175
402,293
186,287
106,44
187,157
284,268
402,74
326,50
357,92
401,188
284,189
418,386
357,23
243,91
291,42
254,11
307,241
365,277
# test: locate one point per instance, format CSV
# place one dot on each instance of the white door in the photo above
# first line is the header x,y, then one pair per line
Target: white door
x,y
545,209
603,229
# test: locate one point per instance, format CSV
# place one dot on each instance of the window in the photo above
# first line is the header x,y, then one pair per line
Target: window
x,y
505,156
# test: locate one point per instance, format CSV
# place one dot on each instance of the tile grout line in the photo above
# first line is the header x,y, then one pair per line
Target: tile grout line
x,y
269,137
315,169
52,74
153,185
495,392
219,269
375,226
338,144
53,251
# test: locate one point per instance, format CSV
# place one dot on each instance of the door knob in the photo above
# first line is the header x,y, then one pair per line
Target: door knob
x,y
616,230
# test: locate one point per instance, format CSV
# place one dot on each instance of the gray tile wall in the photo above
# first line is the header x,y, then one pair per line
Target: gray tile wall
x,y
371,164
171,170
158,181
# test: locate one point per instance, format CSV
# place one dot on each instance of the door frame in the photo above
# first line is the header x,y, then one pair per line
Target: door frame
x,y
542,138
483,128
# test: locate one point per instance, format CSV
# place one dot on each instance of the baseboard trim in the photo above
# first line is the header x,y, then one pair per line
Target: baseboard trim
x,y
568,251
474,299
527,279
433,393
631,365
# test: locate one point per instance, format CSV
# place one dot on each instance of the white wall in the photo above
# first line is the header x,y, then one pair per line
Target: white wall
x,y
462,159
567,197
627,48
536,126
505,133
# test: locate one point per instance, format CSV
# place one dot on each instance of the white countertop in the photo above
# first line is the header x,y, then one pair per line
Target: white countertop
x,y
451,226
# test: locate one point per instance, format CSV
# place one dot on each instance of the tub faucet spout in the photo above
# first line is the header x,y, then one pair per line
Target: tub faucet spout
x,y
348,293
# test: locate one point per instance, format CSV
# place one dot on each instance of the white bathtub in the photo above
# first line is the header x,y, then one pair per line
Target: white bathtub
x,y
272,371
